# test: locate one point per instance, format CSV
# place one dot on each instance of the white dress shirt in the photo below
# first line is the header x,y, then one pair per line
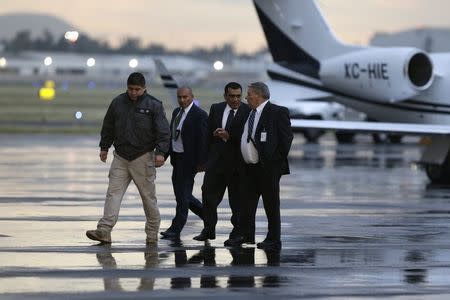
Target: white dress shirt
x,y
226,112
249,152
177,145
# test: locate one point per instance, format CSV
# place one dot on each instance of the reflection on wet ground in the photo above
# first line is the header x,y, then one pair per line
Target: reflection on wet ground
x,y
358,221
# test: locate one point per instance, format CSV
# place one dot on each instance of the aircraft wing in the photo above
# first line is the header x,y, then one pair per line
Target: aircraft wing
x,y
373,127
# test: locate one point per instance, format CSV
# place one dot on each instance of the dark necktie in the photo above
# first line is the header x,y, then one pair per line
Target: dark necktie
x,y
229,119
251,120
176,122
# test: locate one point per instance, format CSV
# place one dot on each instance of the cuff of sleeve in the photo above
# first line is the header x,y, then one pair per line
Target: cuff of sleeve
x,y
104,149
157,152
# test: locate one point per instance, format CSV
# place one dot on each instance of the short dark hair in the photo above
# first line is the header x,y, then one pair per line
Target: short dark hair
x,y
136,78
232,85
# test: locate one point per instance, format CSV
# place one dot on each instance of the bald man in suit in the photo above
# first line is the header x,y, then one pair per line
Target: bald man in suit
x,y
188,157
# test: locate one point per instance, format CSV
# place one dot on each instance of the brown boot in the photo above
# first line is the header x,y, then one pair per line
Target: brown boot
x,y
99,235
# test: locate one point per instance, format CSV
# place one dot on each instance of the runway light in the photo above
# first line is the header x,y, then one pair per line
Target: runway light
x,y
218,65
133,63
71,36
3,62
47,92
48,61
90,62
78,115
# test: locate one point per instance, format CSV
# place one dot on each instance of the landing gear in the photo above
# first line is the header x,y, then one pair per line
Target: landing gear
x,y
395,138
344,137
436,159
438,173
381,138
312,135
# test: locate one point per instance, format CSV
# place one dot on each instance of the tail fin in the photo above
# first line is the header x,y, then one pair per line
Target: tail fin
x,y
168,80
297,34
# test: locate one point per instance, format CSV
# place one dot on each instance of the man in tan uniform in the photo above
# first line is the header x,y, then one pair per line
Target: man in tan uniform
x,y
137,126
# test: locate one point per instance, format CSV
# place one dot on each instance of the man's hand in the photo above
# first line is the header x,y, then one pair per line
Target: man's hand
x,y
221,133
103,155
159,161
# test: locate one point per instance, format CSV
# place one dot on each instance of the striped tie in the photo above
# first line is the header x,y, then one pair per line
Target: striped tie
x,y
251,120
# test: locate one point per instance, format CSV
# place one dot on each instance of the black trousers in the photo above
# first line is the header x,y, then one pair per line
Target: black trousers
x,y
257,181
213,189
183,184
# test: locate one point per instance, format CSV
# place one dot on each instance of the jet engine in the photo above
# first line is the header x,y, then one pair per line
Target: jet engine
x,y
379,74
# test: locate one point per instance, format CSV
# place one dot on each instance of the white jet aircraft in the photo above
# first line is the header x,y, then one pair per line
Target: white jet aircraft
x,y
406,89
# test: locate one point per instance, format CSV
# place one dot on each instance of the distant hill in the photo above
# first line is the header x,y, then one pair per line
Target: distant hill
x,y
10,24
429,39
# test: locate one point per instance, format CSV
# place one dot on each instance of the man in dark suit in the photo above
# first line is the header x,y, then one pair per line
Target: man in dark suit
x,y
188,156
225,121
265,143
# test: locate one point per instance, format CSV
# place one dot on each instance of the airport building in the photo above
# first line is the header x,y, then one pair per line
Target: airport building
x,y
29,66
113,69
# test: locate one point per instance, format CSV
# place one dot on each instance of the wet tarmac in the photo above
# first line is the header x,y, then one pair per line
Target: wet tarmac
x,y
358,222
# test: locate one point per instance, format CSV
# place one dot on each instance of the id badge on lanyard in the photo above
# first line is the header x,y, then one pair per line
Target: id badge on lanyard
x,y
263,136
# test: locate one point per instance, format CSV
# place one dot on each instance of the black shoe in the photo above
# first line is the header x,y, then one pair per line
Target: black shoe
x,y
233,242
249,241
167,232
170,235
269,245
203,236
239,240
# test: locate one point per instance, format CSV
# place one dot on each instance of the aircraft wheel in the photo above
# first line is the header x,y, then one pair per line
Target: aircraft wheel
x,y
379,138
312,135
438,173
395,138
383,138
344,137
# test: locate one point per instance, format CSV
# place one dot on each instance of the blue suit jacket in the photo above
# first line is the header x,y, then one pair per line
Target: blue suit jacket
x,y
193,133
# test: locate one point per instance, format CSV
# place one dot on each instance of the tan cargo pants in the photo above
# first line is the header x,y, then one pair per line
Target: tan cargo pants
x,y
142,171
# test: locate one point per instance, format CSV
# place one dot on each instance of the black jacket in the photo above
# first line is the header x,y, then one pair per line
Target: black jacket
x,y
135,127
223,156
273,152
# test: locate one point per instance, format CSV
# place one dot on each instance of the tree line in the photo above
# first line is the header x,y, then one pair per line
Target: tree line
x,y
23,41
